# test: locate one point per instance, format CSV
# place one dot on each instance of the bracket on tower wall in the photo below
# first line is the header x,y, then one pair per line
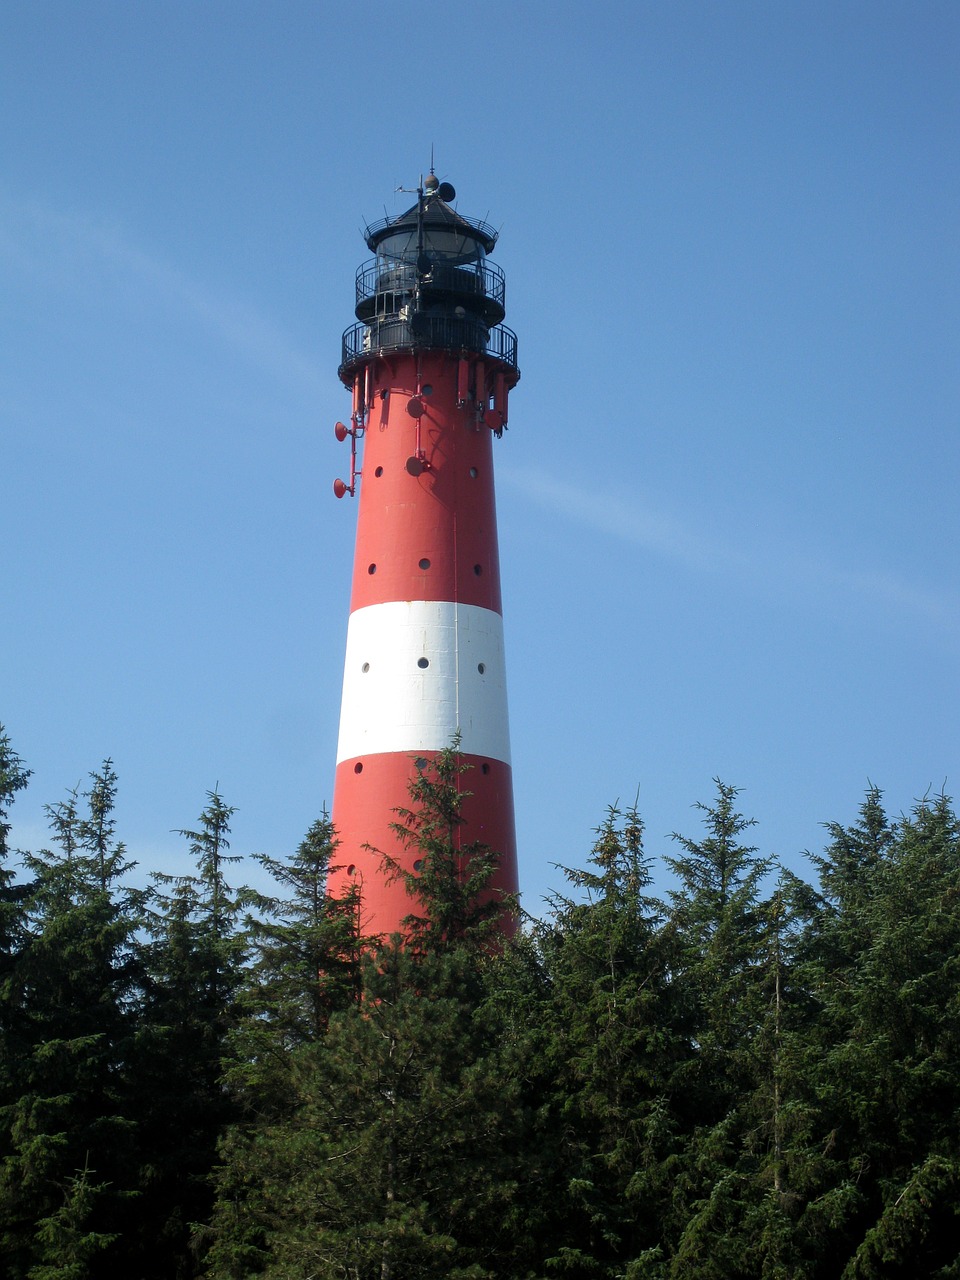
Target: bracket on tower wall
x,y
354,431
484,391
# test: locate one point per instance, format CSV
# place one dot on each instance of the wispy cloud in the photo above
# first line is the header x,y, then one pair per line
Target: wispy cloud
x,y
63,246
778,568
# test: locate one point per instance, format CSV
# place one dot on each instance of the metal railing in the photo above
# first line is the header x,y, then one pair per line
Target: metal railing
x,y
380,275
483,229
426,333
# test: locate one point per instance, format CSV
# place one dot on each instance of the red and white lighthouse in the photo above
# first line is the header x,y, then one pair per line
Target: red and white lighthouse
x,y
430,366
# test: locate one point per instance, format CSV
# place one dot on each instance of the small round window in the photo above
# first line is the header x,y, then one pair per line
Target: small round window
x,y
423,663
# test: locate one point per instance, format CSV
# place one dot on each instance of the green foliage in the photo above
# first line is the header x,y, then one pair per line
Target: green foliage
x,y
68,1108
751,1079
66,1248
604,1043
14,777
195,970
453,904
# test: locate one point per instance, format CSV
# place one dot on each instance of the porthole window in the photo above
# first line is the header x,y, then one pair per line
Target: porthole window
x,y
371,568
481,667
478,569
423,663
378,472
351,870
358,767
424,563
484,768
473,473
365,668
420,762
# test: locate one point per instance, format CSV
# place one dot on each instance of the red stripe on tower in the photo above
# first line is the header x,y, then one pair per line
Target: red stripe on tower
x,y
430,365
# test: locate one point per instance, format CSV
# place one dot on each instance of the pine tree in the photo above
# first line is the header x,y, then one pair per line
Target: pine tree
x,y
305,966
14,777
605,1051
304,945
722,930
13,936
70,1161
13,922
452,901
720,923
195,970
396,1157
886,964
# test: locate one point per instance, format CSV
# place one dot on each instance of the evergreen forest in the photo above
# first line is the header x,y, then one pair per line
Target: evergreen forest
x,y
746,1076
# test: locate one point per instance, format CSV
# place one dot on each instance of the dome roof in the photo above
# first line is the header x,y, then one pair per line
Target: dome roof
x,y
447,235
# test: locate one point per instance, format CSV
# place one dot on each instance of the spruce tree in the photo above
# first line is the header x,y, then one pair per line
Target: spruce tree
x,y
13,921
722,930
396,1157
13,936
605,1051
195,970
885,961
70,1164
304,948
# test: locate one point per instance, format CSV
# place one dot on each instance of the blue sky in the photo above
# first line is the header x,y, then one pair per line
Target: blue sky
x,y
728,495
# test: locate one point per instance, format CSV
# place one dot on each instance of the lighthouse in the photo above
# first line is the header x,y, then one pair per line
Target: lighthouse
x,y
429,364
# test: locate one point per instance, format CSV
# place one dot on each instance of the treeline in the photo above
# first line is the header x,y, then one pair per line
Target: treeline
x,y
752,1077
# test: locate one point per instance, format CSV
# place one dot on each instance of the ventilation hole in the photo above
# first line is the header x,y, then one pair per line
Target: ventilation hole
x,y
418,864
423,663
424,563
371,568
481,667
358,767
473,473
484,768
365,668
379,471
427,389
478,569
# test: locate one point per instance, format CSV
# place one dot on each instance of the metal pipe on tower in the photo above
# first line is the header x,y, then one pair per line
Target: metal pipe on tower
x,y
429,364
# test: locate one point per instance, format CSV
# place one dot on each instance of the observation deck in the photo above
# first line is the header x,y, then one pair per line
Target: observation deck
x,y
425,332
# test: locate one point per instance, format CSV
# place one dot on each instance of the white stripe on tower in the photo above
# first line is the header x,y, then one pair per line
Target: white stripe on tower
x,y
418,672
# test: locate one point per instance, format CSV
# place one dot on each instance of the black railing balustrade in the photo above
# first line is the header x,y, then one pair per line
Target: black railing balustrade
x,y
385,275
423,331
483,229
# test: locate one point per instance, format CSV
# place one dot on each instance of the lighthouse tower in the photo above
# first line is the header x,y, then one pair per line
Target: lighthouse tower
x,y
430,365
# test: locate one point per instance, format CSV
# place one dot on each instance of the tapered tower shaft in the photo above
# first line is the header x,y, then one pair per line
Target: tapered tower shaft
x,y
430,367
